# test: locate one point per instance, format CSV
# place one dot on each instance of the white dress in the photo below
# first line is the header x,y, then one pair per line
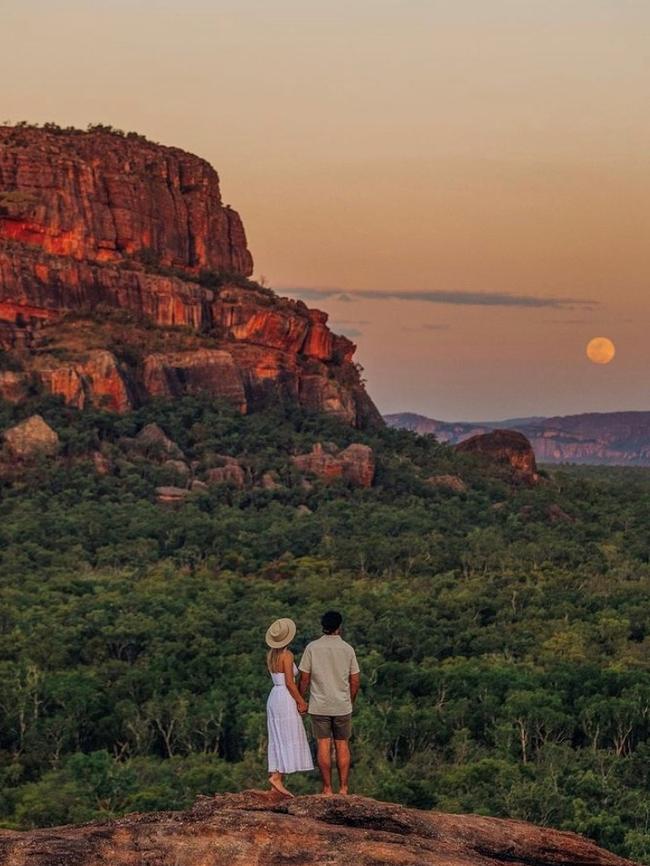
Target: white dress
x,y
288,747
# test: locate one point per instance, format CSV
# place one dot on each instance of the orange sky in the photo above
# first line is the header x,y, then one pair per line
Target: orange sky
x,y
490,158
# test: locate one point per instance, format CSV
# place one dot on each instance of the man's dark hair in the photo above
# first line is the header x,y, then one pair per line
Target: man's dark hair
x,y
331,621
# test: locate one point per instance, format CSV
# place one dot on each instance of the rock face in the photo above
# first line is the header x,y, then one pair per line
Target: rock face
x,y
96,380
506,448
356,463
267,830
97,224
31,438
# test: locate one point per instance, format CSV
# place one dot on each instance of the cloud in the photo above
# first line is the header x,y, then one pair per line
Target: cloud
x,y
426,327
471,299
567,322
347,332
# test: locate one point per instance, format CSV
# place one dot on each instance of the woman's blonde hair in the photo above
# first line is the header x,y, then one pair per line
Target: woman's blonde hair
x,y
273,657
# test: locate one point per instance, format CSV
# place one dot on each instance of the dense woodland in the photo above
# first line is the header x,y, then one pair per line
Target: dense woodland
x,y
504,646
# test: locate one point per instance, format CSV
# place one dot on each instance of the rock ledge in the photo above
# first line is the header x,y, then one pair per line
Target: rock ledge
x,y
264,829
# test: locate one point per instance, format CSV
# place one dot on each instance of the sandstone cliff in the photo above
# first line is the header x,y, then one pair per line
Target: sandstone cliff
x,y
128,234
266,830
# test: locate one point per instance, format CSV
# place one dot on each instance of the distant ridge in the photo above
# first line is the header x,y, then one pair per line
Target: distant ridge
x,y
606,438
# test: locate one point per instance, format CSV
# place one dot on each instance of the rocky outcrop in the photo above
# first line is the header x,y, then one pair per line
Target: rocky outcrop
x,y
267,830
355,464
505,448
31,438
99,224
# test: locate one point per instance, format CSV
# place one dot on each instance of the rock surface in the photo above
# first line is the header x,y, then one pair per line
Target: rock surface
x,y
505,448
356,463
31,437
267,830
97,224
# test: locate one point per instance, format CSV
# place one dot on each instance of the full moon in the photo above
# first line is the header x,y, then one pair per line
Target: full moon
x,y
601,350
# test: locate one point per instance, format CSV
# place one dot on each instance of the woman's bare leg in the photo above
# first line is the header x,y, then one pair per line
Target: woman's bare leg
x,y
277,784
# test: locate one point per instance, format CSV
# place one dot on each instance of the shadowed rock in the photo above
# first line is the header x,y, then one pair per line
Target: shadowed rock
x,y
505,448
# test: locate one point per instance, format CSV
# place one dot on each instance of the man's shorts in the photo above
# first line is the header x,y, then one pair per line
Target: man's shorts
x,y
338,727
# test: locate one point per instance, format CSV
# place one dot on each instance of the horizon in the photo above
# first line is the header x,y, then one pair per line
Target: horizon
x,y
463,190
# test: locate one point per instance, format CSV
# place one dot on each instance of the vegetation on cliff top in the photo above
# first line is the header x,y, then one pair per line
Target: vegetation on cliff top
x,y
504,651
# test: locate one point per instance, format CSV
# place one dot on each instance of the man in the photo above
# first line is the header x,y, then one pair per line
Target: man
x,y
330,672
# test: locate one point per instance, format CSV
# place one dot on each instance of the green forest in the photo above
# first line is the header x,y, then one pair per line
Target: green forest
x,y
502,631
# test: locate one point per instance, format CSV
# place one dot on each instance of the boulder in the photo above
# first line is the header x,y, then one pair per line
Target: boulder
x,y
504,448
232,474
31,438
356,464
269,481
171,494
266,829
102,464
449,482
153,440
14,386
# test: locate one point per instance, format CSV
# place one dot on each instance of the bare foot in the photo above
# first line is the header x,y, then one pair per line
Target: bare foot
x,y
276,783
343,792
327,792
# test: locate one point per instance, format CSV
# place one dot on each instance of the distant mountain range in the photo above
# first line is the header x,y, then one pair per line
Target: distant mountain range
x,y
611,438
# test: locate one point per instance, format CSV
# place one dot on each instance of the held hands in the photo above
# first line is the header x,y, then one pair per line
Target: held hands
x,y
302,706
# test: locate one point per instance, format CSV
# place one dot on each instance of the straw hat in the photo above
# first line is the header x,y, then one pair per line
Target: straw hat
x,y
280,633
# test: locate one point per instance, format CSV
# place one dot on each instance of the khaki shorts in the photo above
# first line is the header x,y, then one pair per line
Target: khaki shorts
x,y
338,727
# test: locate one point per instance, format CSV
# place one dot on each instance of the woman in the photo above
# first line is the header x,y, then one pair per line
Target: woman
x,y
288,747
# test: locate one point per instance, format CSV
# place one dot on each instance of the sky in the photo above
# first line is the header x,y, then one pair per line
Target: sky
x,y
463,185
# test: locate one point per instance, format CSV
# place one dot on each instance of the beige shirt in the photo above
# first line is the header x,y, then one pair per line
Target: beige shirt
x,y
330,661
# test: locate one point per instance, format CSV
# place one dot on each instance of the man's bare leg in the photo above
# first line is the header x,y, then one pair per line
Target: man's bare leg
x,y
324,764
343,764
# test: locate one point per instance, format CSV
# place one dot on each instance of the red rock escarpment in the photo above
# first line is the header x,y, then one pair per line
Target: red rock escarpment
x,y
101,198
506,448
95,222
266,830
